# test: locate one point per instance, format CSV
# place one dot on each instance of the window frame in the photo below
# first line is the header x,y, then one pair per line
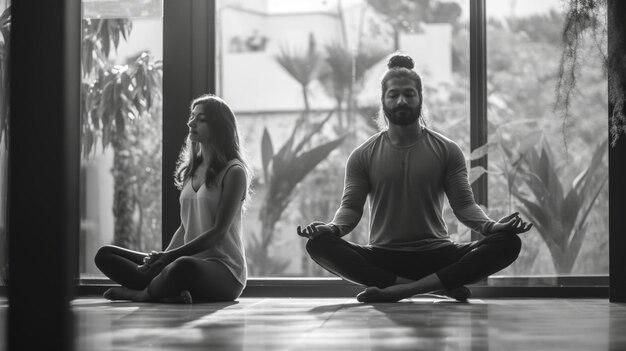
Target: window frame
x,y
189,49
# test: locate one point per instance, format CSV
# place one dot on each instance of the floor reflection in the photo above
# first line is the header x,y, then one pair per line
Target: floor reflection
x,y
416,324
344,324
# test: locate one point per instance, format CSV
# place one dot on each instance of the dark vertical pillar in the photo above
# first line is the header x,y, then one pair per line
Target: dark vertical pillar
x,y
617,157
188,71
44,161
478,94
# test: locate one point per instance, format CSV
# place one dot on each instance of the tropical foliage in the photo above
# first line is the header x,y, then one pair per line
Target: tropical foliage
x,y
119,103
586,21
113,95
303,67
534,178
343,78
283,171
559,214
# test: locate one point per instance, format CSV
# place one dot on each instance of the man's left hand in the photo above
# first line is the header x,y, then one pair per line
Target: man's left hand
x,y
512,223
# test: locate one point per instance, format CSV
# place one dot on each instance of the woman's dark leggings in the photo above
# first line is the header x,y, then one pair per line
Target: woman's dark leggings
x,y
455,264
205,280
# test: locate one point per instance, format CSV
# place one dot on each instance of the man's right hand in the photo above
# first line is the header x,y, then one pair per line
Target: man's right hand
x,y
314,229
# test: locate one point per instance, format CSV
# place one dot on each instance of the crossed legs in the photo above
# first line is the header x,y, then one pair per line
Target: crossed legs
x,y
391,275
177,282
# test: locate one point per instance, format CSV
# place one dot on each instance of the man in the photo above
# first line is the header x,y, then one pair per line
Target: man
x,y
407,170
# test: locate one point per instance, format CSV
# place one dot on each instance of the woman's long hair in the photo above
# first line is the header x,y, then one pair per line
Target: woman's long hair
x,y
224,144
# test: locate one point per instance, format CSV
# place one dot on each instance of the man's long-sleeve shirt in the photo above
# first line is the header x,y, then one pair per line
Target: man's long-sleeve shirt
x,y
406,188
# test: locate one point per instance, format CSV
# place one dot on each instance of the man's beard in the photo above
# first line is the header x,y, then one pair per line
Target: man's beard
x,y
408,118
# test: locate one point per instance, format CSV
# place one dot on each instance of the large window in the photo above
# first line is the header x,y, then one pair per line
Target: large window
x,y
306,74
121,127
285,66
550,167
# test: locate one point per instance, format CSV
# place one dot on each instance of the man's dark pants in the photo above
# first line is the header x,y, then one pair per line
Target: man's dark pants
x,y
455,264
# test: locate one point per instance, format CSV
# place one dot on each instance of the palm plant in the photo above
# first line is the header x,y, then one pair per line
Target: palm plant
x,y
283,171
559,216
303,67
115,97
344,77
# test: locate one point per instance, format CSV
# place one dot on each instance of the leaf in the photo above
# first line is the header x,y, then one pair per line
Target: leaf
x,y
530,141
115,34
582,182
571,206
308,160
593,200
536,212
284,153
482,150
119,122
267,153
314,130
302,67
105,39
475,173
551,189
576,242
287,174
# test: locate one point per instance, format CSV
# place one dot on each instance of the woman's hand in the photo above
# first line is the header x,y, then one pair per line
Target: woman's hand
x,y
153,256
154,263
512,223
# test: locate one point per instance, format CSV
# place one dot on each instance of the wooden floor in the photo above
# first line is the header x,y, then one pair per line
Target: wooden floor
x,y
344,324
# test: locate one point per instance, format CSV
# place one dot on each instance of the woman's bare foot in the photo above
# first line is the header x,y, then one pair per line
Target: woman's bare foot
x,y
122,293
184,297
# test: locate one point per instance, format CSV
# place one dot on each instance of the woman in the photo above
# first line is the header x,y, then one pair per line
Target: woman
x,y
205,259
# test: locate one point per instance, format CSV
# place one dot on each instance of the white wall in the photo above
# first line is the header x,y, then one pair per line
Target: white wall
x,y
255,82
97,226
146,35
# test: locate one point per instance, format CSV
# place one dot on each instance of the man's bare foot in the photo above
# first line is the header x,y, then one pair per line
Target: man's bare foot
x,y
392,293
398,292
122,293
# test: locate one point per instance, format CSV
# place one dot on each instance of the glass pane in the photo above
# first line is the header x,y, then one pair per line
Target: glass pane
x,y
121,127
553,170
283,63
5,29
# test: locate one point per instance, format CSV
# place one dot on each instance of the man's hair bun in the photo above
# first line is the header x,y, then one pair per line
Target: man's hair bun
x,y
400,60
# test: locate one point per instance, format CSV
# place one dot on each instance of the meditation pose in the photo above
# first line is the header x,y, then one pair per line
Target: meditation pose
x,y
205,259
407,170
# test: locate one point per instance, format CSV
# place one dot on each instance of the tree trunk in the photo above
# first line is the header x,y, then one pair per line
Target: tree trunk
x,y
123,196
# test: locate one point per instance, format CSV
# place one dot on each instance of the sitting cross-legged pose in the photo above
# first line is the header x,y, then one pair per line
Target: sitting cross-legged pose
x,y
407,170
205,259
